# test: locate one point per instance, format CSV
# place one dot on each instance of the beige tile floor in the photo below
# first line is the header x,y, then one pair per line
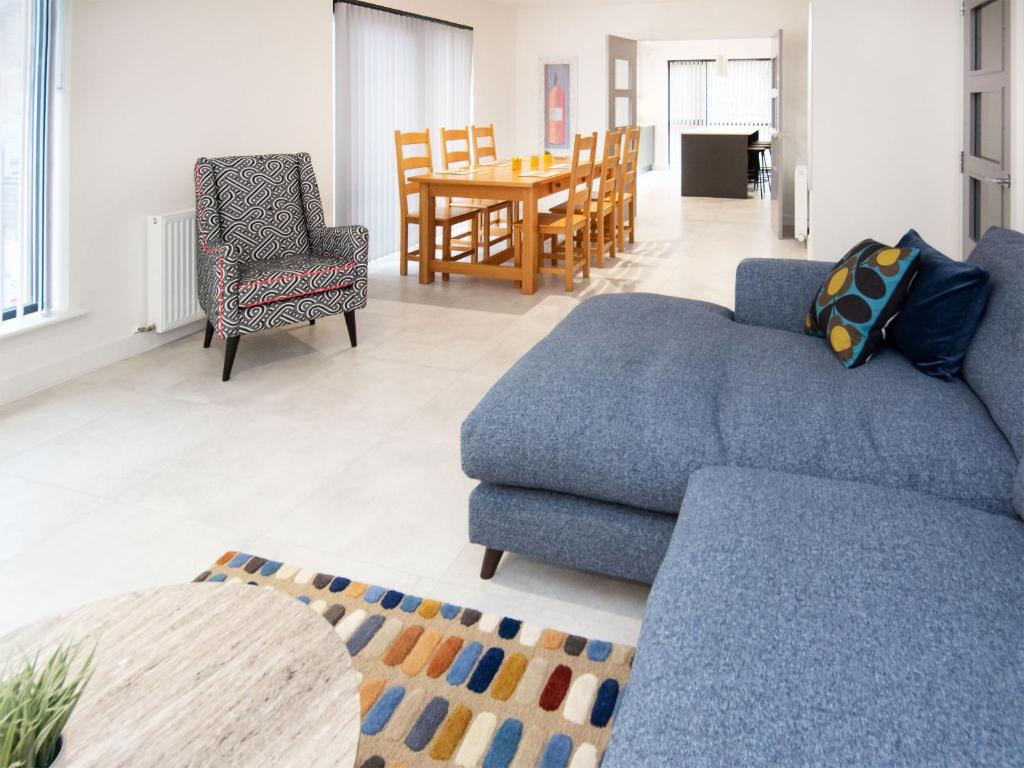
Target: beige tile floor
x,y
342,460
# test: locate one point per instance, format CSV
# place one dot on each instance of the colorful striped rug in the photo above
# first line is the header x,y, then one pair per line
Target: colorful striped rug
x,y
448,685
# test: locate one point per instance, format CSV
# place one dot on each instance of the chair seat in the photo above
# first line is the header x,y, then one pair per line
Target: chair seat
x,y
451,214
553,223
291,277
606,207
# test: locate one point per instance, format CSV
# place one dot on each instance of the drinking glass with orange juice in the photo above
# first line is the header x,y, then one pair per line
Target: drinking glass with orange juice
x,y
534,162
517,164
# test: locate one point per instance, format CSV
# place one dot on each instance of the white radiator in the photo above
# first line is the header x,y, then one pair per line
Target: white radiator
x,y
801,204
173,300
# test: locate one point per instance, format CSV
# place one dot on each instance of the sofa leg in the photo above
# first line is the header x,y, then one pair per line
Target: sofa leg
x,y
208,336
229,356
350,322
312,322
491,559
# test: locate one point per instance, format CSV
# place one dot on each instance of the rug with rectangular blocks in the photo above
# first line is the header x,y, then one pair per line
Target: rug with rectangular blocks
x,y
443,684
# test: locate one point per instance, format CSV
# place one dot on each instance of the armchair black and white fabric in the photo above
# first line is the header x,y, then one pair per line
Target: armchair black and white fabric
x,y
265,257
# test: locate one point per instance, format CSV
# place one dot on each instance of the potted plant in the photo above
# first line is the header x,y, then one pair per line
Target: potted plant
x,y
36,700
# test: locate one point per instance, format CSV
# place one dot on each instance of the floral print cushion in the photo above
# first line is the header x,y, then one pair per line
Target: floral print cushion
x,y
860,298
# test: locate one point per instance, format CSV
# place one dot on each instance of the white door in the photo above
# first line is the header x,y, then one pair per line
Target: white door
x,y
621,82
986,154
778,138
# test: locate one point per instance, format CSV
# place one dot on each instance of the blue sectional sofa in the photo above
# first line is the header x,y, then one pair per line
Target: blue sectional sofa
x,y
837,562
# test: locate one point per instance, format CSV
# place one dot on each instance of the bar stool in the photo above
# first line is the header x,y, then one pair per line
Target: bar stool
x,y
758,170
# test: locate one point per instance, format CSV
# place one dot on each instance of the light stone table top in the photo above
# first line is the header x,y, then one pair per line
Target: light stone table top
x,y
206,675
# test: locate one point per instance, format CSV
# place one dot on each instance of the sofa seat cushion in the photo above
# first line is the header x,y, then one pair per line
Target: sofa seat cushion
x,y
801,621
631,393
291,277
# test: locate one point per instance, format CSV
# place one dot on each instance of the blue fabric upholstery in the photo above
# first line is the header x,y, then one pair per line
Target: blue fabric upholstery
x,y
633,392
580,533
938,319
994,365
800,622
776,293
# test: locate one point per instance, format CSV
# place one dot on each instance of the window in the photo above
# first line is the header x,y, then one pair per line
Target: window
x,y
698,97
395,71
25,56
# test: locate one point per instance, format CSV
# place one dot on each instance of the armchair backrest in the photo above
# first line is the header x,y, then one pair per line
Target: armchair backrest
x,y
267,205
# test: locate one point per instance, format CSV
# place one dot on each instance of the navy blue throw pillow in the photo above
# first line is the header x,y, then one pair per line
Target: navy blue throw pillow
x,y
941,312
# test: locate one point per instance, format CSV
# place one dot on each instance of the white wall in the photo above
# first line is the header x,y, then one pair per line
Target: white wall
x,y
887,123
652,77
559,30
152,86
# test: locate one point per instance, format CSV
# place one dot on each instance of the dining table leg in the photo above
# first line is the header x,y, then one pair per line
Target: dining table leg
x,y
530,243
428,234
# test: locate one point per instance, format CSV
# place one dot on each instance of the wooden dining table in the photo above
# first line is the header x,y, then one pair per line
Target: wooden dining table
x,y
493,181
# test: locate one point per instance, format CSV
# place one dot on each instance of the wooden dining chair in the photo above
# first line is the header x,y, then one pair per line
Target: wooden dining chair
x,y
627,187
456,153
572,254
484,148
446,215
604,210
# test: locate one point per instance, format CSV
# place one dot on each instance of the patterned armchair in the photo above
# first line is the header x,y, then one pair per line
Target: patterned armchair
x,y
264,256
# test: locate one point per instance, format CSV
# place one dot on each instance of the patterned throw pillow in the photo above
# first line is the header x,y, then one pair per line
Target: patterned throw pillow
x,y
860,297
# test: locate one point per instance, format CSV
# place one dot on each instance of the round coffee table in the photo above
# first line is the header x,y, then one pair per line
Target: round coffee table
x,y
205,675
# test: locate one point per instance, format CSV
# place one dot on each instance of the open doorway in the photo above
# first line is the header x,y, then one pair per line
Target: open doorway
x,y
723,94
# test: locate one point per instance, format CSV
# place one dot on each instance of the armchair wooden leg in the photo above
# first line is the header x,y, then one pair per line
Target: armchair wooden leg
x,y
312,322
229,356
208,335
350,323
491,559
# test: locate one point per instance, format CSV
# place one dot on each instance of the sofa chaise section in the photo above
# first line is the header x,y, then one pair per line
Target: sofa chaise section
x,y
631,393
803,621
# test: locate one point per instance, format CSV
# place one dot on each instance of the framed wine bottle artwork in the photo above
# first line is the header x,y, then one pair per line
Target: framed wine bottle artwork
x,y
558,103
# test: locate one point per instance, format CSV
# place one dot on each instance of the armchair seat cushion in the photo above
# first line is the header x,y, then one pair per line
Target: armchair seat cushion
x,y
292,277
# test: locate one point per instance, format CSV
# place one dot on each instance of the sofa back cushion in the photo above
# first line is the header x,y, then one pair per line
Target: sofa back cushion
x,y
259,199
994,364
937,321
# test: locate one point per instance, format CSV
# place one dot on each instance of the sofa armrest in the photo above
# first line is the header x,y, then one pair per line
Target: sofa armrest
x,y
777,293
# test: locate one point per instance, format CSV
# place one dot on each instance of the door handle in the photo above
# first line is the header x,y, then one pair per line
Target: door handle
x,y
1002,181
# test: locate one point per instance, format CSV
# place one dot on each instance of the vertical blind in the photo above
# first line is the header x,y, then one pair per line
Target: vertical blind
x,y
25,57
394,72
698,97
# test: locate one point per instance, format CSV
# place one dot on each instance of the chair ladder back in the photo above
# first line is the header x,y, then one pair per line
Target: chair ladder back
x,y
581,176
407,184
631,149
482,151
610,166
459,156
